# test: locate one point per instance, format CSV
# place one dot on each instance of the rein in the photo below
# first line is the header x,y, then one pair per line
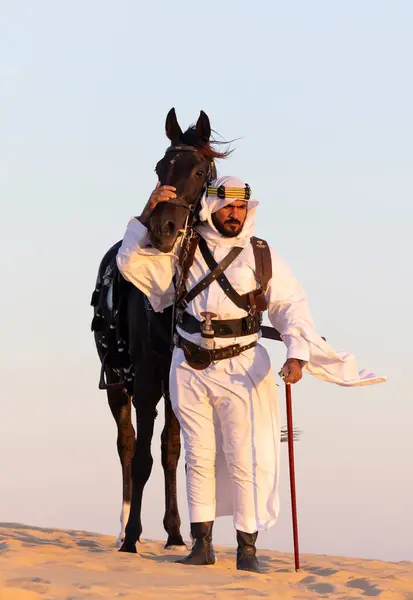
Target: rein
x,y
188,231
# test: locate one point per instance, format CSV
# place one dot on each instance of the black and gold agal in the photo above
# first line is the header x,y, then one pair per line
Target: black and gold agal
x,y
236,193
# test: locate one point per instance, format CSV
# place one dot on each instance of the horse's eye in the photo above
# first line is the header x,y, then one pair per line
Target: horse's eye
x,y
200,173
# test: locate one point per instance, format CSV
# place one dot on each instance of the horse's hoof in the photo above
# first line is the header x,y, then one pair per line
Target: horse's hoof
x,y
174,540
119,541
128,547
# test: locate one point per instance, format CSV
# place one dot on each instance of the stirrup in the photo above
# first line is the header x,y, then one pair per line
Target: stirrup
x,y
103,383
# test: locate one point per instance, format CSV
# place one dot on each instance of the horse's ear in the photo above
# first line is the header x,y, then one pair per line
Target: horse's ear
x,y
213,174
203,126
173,131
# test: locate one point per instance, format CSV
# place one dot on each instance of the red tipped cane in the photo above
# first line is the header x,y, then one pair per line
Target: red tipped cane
x,y
290,436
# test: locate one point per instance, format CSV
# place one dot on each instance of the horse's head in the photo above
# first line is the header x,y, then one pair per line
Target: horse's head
x,y
188,165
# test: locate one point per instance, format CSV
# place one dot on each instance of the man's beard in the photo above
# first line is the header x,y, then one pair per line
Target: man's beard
x,y
227,232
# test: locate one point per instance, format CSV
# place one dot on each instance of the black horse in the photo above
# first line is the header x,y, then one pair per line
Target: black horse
x,y
134,342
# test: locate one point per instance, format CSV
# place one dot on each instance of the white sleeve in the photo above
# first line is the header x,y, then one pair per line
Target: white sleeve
x,y
147,268
288,309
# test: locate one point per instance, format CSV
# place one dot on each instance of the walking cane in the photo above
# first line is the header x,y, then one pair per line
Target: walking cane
x,y
290,439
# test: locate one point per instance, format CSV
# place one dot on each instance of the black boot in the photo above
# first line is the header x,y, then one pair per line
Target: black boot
x,y
202,552
246,559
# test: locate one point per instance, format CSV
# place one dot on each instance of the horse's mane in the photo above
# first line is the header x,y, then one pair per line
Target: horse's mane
x,y
206,148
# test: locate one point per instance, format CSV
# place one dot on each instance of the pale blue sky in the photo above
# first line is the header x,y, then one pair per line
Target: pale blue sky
x,y
321,94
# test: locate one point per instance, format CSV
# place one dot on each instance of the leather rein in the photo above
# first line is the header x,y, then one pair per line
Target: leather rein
x,y
188,231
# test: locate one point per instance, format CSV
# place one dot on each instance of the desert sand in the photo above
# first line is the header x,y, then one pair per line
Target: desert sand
x,y
47,564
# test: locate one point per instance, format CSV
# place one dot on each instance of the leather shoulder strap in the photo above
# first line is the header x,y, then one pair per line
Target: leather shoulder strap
x,y
216,270
263,265
238,300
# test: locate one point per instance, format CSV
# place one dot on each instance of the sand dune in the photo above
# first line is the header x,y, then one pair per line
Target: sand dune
x,y
51,564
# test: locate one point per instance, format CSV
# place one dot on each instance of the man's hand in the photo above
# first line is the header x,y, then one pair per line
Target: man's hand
x,y
291,371
162,193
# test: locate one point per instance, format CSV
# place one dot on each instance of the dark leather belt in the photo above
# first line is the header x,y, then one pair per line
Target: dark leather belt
x,y
225,328
200,358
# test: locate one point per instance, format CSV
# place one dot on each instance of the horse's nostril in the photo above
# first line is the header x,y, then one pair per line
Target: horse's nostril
x,y
168,228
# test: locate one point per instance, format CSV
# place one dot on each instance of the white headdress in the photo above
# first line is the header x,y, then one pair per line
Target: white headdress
x,y
223,191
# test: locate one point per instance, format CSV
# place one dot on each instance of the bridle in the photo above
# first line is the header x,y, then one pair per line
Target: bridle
x,y
188,230
211,174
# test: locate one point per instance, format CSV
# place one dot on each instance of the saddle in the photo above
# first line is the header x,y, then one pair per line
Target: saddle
x,y
109,322
111,328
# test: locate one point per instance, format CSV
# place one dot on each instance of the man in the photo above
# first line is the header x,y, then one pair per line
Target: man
x,y
228,408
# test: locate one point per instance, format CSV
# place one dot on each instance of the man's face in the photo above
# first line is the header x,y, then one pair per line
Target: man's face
x,y
230,219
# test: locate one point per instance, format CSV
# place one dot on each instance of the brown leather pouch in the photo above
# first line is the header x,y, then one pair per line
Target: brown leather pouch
x,y
196,357
260,301
255,300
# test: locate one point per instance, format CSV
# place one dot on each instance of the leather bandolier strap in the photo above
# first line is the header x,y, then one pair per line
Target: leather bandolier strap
x,y
263,273
254,302
263,264
216,271
240,301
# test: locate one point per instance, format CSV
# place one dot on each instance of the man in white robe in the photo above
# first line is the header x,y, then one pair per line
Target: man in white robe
x,y
228,411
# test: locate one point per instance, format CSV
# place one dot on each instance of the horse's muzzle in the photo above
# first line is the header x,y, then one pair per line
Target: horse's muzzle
x,y
164,243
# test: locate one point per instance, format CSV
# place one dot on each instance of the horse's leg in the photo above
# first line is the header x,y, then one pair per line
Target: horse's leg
x,y
120,406
171,449
146,397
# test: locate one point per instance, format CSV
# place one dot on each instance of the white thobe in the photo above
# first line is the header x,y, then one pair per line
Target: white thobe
x,y
229,412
